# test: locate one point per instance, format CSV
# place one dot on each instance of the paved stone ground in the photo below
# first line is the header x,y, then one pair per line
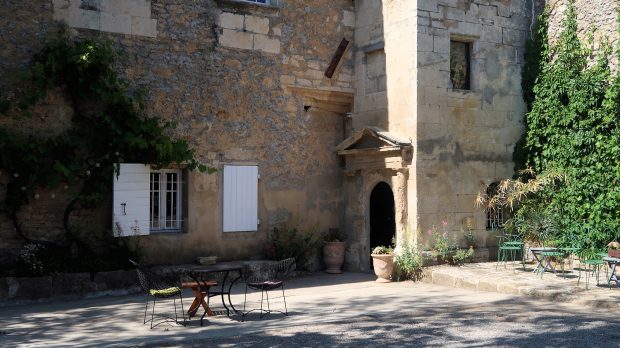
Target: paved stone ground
x,y
332,310
517,281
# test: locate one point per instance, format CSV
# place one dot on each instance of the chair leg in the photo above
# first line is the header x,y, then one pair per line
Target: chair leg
x,y
182,312
174,302
245,299
261,303
284,298
153,313
146,308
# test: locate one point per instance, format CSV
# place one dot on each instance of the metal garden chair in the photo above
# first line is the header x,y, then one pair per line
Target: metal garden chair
x,y
158,286
508,247
266,277
591,265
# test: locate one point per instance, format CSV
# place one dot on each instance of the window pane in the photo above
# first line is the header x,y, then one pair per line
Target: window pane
x,y
459,65
155,178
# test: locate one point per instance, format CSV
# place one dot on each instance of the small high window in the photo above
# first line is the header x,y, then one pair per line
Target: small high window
x,y
460,64
258,1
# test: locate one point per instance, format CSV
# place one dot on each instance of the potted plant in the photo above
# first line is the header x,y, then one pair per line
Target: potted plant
x,y
334,249
613,249
383,263
470,240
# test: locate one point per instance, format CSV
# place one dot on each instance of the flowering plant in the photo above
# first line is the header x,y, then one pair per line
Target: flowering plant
x,y
443,246
29,256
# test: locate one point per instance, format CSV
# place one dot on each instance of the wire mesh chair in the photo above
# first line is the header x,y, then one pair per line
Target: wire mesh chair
x,y
159,287
266,277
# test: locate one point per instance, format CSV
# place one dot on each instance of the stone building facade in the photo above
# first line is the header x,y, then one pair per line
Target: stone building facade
x,y
421,111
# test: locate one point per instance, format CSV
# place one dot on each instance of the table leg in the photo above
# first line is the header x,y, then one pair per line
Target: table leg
x,y
539,266
613,276
229,290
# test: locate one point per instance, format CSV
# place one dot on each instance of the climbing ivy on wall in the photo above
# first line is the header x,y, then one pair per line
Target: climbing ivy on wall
x,y
108,126
573,126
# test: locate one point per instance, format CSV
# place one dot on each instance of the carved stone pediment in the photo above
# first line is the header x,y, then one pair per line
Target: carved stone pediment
x,y
374,148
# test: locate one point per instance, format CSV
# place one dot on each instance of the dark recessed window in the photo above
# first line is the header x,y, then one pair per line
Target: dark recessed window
x,y
258,1
460,64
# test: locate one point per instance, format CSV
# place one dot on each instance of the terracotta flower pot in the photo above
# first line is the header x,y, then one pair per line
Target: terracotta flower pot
x,y
383,265
333,256
613,253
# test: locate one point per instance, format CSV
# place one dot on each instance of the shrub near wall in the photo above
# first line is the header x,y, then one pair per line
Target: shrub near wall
x,y
573,127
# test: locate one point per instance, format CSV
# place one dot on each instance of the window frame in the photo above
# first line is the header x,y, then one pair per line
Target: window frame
x,y
162,206
494,217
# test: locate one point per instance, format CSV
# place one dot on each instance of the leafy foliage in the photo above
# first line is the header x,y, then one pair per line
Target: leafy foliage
x,y
407,258
108,126
573,128
382,250
294,242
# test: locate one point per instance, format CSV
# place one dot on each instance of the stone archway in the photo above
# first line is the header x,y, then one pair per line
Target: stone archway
x,y
382,215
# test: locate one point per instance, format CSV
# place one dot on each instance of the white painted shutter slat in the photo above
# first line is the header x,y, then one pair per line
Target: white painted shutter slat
x,y
131,187
240,198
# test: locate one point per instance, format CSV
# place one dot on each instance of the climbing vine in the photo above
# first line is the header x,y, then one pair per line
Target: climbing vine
x,y
573,127
108,126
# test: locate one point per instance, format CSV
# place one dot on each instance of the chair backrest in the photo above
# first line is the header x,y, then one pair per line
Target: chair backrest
x,y
272,271
150,280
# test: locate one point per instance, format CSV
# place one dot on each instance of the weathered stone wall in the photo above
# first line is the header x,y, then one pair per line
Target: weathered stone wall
x,y
401,42
370,107
232,101
597,16
465,138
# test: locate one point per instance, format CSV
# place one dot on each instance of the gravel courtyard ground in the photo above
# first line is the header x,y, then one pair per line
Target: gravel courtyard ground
x,y
326,311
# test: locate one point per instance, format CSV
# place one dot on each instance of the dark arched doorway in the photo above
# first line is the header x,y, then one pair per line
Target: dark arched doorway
x,y
382,222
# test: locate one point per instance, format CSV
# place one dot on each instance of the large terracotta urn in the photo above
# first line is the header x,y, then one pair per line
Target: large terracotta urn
x,y
383,265
333,256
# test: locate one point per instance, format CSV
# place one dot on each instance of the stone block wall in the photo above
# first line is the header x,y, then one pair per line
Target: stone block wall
x,y
114,16
465,138
370,75
596,16
234,105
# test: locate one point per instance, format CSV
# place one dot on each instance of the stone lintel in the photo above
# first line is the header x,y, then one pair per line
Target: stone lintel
x,y
338,101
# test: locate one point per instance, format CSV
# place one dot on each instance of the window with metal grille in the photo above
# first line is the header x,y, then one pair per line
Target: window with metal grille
x,y
166,200
495,216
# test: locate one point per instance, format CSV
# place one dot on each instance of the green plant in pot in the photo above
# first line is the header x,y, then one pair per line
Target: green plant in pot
x,y
334,249
383,263
613,249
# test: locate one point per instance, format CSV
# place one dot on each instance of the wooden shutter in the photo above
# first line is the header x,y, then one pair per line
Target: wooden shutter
x,y
131,199
240,198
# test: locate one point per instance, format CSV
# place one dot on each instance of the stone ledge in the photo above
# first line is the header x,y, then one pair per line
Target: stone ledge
x,y
244,6
14,290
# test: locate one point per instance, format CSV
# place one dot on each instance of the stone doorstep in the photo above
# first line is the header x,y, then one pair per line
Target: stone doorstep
x,y
453,277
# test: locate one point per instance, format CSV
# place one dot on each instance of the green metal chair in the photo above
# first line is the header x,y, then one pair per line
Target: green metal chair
x,y
508,247
593,264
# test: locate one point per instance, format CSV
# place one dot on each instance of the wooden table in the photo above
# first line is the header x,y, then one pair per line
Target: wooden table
x,y
221,275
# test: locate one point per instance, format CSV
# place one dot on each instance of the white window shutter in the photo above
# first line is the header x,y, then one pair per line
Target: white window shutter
x,y
131,198
240,198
